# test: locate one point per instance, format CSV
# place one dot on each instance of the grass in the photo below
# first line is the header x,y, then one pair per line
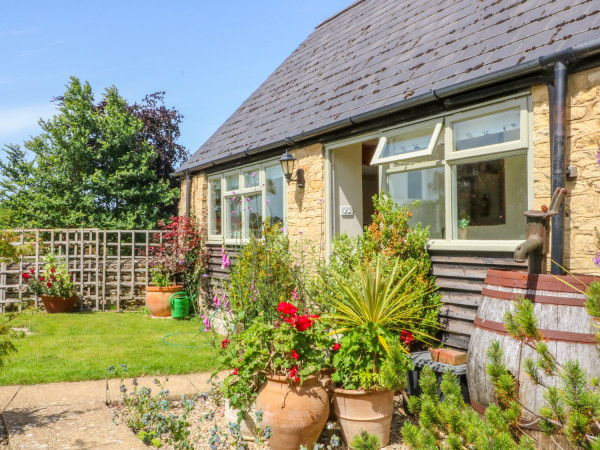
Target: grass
x,y
81,346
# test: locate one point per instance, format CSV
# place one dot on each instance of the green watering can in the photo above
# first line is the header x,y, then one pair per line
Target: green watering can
x,y
180,305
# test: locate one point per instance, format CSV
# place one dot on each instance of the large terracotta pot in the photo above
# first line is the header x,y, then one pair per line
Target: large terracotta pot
x,y
327,382
59,304
296,413
247,426
364,410
157,299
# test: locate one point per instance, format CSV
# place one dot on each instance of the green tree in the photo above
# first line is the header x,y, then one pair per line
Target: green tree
x,y
92,166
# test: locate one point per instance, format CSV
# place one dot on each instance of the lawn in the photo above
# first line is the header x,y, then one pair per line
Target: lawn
x,y
81,346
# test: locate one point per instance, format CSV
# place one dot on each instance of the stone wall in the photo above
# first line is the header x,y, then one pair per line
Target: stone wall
x,y
583,138
306,206
198,199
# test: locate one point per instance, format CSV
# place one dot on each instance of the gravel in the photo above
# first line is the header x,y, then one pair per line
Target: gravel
x,y
208,423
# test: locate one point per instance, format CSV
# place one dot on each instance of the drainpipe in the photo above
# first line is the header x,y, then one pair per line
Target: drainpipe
x,y
557,128
188,191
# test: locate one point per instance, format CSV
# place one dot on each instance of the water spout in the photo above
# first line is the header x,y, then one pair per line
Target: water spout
x,y
532,243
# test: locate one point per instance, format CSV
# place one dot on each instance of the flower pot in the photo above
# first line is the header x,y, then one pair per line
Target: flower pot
x,y
364,410
59,304
296,413
462,233
157,299
248,425
327,382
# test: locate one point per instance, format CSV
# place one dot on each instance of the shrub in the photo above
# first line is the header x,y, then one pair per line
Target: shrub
x,y
365,441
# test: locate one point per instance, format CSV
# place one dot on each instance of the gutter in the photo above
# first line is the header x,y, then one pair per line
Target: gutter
x,y
534,67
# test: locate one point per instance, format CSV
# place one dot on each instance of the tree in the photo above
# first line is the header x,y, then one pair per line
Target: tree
x,y
103,165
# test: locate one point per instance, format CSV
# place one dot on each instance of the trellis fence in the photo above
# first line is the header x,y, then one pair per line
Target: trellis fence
x,y
110,267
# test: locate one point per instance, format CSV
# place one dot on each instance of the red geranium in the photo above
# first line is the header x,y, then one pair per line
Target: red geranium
x,y
32,270
336,347
286,308
294,354
25,276
406,337
235,371
49,284
224,343
294,374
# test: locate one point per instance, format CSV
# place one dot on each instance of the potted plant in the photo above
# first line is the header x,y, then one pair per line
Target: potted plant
x,y
177,259
54,284
377,314
277,365
463,224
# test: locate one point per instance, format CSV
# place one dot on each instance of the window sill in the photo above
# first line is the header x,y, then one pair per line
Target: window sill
x,y
484,246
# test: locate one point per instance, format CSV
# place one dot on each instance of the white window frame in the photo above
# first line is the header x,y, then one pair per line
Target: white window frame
x,y
242,192
452,158
436,124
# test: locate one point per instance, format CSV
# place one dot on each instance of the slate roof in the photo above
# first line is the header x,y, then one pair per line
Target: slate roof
x,y
378,52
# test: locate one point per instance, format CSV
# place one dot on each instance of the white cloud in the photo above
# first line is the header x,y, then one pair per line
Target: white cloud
x,y
17,124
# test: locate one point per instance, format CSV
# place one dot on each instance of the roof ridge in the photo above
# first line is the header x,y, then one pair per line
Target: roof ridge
x,y
329,19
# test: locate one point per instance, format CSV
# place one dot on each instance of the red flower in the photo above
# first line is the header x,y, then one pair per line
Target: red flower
x,y
286,308
224,343
235,371
406,337
303,323
41,278
336,347
294,374
52,269
32,270
294,354
49,284
26,276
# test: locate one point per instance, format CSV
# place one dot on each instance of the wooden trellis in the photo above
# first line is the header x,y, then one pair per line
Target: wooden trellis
x,y
108,266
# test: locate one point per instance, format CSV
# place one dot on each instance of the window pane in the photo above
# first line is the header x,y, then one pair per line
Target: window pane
x,y
232,182
233,209
491,199
274,193
407,143
251,178
253,214
215,207
492,129
427,187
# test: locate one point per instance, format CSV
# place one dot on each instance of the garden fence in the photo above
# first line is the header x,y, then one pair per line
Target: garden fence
x,y
110,267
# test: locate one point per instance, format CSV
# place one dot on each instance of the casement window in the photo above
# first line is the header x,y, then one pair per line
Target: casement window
x,y
240,200
467,172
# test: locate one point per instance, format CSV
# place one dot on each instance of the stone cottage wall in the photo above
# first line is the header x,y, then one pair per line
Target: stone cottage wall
x,y
583,139
306,207
198,201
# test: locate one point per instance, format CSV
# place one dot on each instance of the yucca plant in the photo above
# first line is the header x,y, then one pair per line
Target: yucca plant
x,y
381,299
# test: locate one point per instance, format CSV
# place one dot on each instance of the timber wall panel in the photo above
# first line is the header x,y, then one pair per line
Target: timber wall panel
x,y
459,276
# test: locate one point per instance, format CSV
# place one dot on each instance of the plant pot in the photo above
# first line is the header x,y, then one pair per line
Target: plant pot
x,y
59,304
248,425
327,382
157,299
364,410
462,234
296,413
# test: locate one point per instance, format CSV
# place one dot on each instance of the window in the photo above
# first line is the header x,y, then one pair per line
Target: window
x,y
408,142
472,183
241,199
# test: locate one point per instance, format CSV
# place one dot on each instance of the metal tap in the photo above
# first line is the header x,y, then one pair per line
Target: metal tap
x,y
535,248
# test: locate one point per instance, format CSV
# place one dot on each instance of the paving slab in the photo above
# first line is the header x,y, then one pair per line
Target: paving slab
x,y
75,415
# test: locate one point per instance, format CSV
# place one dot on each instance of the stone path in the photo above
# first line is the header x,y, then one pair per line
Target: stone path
x,y
76,415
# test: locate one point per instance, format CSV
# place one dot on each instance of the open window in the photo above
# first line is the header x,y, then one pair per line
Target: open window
x,y
410,142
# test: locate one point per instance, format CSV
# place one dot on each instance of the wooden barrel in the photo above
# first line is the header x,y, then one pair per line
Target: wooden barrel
x,y
562,320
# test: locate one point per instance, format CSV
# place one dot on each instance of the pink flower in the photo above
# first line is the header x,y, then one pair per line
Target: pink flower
x,y
206,321
216,301
253,174
295,294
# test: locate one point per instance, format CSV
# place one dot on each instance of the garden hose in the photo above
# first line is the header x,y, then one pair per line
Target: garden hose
x,y
189,332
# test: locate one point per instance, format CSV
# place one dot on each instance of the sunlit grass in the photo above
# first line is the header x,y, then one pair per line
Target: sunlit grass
x,y
81,346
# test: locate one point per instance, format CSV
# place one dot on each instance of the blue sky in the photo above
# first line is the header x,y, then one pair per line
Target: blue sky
x,y
209,56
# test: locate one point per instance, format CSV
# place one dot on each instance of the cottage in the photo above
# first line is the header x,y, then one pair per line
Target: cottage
x,y
478,110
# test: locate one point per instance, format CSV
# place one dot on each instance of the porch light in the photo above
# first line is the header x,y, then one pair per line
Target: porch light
x,y
287,164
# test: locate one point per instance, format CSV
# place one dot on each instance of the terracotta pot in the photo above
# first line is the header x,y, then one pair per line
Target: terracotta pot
x,y
247,426
296,413
59,304
364,410
327,382
157,299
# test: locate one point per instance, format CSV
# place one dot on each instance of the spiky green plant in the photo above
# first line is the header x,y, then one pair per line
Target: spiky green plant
x,y
371,297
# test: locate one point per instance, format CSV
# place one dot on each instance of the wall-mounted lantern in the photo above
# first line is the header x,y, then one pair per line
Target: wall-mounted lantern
x,y
287,164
